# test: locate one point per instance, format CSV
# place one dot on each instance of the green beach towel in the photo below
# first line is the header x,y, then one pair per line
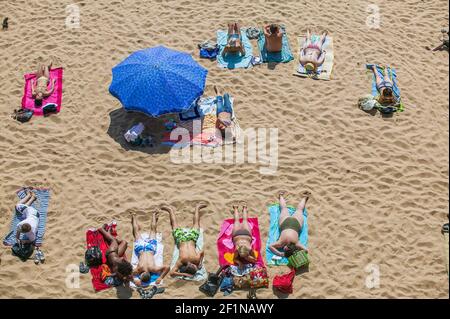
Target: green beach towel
x,y
284,56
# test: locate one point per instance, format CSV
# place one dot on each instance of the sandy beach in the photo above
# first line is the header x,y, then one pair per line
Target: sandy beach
x,y
379,184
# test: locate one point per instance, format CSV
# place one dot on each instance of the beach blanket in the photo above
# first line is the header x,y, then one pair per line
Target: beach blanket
x,y
95,238
201,126
284,56
226,247
201,274
274,233
325,70
55,98
41,205
234,61
393,77
159,259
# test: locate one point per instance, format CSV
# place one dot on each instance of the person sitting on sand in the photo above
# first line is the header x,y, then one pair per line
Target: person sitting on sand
x,y
115,257
189,261
39,89
290,227
242,238
234,40
312,55
145,247
385,87
274,38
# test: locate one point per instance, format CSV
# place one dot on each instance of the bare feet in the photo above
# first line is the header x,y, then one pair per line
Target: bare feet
x,y
167,208
306,195
201,205
282,194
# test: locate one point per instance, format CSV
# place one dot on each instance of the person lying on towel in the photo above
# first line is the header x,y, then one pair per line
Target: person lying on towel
x,y
290,228
312,55
39,89
28,226
385,87
189,261
234,41
242,238
121,269
145,248
274,38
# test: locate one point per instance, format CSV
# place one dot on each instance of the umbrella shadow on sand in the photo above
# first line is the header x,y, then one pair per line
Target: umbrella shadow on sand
x,y
122,120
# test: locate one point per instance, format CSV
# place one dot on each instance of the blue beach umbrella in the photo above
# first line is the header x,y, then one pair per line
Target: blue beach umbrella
x,y
158,81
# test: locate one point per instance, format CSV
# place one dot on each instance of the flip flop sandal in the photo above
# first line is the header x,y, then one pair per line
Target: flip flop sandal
x,y
84,269
444,228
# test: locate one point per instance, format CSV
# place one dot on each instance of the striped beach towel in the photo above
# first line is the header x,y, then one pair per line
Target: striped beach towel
x,y
41,205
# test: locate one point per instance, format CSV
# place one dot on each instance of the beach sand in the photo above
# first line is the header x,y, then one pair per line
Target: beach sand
x,y
379,185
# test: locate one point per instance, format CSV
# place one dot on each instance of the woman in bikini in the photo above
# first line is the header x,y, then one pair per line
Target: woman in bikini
x,y
312,55
242,238
39,89
234,41
385,87
290,227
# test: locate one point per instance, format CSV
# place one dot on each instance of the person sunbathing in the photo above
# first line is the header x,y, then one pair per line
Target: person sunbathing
x,y
145,248
39,86
234,40
115,257
242,238
28,226
189,261
312,54
274,38
290,228
385,87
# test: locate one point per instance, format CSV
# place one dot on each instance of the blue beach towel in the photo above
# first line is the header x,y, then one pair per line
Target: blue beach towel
x,y
41,205
274,233
284,56
393,77
234,61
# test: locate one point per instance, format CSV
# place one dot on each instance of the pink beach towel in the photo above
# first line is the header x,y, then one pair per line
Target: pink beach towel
x,y
226,247
56,97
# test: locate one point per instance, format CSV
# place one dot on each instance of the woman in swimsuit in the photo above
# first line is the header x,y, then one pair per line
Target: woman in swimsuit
x,y
234,42
312,55
290,227
385,87
242,238
39,87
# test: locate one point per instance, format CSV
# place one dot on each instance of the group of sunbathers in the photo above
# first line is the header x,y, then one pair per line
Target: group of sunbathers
x,y
190,259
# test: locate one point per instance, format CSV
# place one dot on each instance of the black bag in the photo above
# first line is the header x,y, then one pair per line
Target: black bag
x,y
49,109
24,251
93,257
22,115
212,285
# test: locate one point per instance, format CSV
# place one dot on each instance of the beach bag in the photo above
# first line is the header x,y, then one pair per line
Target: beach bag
x,y
259,278
22,115
206,53
298,259
93,257
49,109
212,285
284,283
24,252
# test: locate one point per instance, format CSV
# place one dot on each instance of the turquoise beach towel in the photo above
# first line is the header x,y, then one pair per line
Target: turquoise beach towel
x,y
393,76
234,61
284,56
201,274
41,205
274,233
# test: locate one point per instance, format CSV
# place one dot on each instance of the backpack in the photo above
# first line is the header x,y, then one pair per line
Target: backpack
x,y
49,109
24,252
93,257
22,115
